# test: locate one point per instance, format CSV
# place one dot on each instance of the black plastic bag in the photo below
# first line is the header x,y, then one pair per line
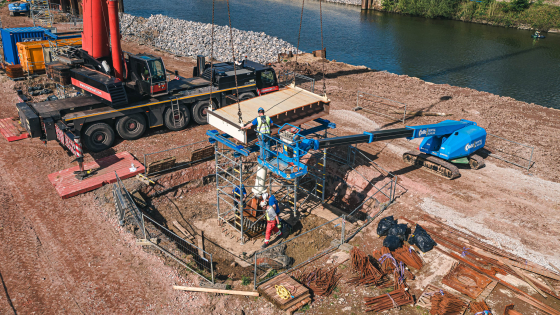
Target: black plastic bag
x,y
422,239
392,242
384,225
400,230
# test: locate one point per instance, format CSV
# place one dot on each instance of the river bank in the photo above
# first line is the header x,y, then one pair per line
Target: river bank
x,y
518,14
187,38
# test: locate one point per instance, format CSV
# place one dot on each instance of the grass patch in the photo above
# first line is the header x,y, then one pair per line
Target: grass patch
x,y
515,13
245,280
305,308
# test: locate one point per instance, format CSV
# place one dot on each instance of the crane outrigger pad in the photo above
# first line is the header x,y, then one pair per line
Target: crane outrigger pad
x,y
290,105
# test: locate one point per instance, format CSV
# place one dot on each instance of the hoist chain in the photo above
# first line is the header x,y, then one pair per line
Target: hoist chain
x,y
322,47
212,58
234,66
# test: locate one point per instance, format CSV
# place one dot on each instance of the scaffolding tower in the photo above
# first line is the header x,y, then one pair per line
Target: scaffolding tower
x,y
237,166
41,13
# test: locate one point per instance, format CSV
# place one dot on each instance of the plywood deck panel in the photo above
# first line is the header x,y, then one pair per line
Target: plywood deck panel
x,y
290,105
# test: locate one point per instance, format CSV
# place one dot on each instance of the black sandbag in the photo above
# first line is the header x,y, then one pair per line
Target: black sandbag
x,y
400,230
422,239
392,242
384,225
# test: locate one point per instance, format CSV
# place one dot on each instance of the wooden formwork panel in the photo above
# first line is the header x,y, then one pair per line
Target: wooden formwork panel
x,y
290,105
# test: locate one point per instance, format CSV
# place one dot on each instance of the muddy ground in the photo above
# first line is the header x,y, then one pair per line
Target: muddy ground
x,y
70,257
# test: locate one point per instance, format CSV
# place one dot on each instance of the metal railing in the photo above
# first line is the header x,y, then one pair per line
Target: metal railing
x,y
508,154
182,251
182,156
373,102
289,77
272,261
179,249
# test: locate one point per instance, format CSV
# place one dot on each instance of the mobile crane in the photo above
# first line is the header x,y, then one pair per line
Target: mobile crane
x,y
444,144
136,92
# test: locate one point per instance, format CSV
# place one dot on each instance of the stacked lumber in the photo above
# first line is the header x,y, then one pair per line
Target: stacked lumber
x,y
14,71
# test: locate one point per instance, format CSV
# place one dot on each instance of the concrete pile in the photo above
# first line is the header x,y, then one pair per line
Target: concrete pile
x,y
187,38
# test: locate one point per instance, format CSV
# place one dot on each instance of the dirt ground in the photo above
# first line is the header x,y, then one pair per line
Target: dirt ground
x,y
70,257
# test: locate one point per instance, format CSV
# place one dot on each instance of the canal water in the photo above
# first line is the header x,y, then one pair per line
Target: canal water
x,y
498,60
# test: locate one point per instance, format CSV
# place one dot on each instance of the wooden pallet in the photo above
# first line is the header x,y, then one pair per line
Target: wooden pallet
x,y
302,295
161,165
11,130
202,153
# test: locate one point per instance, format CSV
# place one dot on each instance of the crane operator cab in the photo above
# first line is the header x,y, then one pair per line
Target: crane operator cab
x,y
147,74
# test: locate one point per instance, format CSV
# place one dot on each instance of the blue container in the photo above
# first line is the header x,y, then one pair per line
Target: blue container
x,y
11,36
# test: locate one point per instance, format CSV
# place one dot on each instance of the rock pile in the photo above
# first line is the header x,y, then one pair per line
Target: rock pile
x,y
187,38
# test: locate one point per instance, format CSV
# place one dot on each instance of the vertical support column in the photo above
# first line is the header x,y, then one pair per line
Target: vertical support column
x,y
365,4
323,175
216,160
295,189
240,203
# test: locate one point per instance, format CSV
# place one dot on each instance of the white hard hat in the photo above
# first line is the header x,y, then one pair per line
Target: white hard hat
x,y
265,196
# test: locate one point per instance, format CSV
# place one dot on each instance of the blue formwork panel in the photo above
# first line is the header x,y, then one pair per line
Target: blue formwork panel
x,y
12,36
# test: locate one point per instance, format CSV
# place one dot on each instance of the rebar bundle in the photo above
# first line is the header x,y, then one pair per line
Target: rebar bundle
x,y
409,257
390,300
319,281
446,304
361,263
479,307
387,265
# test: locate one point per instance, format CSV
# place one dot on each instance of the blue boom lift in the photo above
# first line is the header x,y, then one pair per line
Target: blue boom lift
x,y
445,144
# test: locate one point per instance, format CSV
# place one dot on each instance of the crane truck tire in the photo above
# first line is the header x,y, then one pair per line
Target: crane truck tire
x,y
245,96
200,111
432,164
131,127
98,137
182,121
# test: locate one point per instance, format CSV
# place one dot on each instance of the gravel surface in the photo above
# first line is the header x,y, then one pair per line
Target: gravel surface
x,y
186,38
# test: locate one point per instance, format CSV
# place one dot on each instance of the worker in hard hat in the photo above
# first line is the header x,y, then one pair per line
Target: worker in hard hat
x,y
272,224
271,201
264,124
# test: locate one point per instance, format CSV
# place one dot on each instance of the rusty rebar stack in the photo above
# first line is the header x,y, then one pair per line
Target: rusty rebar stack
x,y
319,281
408,257
446,304
394,299
361,263
386,264
479,306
